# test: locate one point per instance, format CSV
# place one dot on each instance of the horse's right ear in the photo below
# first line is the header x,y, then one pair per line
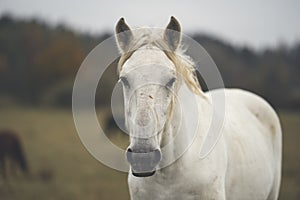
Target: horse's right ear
x,y
124,35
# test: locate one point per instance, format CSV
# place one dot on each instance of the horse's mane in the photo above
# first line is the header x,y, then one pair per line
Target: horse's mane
x,y
182,62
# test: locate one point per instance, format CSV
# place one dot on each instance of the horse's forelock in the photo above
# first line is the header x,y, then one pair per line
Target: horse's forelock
x,y
183,63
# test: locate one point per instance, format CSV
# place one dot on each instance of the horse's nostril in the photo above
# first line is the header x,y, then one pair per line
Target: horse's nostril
x,y
129,150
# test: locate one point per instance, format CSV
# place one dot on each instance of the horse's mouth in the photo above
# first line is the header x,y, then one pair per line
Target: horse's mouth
x,y
143,174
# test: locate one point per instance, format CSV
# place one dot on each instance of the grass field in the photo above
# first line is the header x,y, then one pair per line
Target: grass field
x,y
61,168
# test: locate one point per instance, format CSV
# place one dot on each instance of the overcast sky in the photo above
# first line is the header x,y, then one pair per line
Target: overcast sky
x,y
256,23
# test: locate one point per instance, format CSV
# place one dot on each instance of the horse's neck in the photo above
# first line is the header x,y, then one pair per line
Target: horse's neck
x,y
184,125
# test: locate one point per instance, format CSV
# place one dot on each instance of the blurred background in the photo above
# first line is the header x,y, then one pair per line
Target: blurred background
x,y
255,44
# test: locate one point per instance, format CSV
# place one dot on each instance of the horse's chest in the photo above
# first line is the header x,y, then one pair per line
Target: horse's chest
x,y
168,190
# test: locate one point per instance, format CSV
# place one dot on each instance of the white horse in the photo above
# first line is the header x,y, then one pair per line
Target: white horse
x,y
244,164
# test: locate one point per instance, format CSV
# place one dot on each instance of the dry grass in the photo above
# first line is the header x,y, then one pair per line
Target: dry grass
x,y
62,169
290,188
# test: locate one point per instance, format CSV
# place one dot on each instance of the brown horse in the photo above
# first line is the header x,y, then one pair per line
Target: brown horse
x,y
11,149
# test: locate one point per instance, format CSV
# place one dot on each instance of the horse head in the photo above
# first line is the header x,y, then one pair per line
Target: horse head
x,y
149,81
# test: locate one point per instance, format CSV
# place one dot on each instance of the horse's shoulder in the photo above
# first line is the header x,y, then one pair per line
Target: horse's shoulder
x,y
244,106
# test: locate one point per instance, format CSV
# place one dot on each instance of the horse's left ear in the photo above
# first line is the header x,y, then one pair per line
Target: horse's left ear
x,y
124,35
172,34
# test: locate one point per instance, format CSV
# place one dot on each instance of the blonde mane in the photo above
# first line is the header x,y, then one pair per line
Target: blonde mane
x,y
183,63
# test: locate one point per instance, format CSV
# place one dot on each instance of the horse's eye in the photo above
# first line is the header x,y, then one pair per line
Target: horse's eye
x,y
171,82
124,81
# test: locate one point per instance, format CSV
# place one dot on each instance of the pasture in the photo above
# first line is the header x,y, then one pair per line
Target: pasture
x,y
61,168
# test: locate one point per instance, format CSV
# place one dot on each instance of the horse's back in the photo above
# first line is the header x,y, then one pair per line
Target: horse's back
x,y
253,136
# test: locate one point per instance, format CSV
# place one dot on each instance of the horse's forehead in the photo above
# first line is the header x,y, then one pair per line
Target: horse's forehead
x,y
142,57
150,75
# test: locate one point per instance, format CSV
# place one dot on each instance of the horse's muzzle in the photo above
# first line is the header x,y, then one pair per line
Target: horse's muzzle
x,y
146,174
143,164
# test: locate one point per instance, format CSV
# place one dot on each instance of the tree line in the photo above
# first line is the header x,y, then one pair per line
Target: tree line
x,y
38,64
